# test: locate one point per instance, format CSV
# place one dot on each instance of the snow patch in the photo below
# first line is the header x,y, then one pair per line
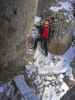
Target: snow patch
x,y
61,5
37,19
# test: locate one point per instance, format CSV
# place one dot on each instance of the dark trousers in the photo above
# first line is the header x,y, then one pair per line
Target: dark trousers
x,y
45,46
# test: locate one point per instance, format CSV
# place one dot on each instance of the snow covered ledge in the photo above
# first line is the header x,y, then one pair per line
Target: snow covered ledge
x,y
54,63
47,72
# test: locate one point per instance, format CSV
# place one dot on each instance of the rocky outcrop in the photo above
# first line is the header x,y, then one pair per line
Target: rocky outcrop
x,y
16,18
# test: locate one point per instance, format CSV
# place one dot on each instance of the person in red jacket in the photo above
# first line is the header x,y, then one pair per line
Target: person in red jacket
x,y
45,35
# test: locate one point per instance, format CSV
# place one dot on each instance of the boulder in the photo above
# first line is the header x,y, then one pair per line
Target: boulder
x,y
60,45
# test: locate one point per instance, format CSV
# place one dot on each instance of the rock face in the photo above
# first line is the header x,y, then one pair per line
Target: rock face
x,y
16,17
43,7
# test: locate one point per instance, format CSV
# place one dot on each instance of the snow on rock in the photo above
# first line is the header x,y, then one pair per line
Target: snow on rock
x,y
50,64
61,5
48,80
37,19
65,5
50,92
48,73
53,63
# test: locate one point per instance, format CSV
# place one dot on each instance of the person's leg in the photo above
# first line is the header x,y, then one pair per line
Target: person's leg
x,y
42,44
46,47
35,44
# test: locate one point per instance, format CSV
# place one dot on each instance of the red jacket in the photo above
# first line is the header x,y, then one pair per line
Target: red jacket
x,y
45,32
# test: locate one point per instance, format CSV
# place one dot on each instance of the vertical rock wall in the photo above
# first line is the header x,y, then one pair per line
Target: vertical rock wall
x,y
43,7
16,17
